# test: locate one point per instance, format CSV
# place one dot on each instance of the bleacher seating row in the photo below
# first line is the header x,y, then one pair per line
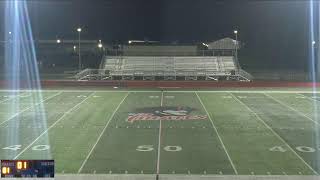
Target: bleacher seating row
x,y
144,65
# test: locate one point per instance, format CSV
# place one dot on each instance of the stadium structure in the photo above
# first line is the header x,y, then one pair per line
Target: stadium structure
x,y
215,61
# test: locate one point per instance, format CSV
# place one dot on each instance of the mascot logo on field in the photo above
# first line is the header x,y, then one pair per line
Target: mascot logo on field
x,y
164,113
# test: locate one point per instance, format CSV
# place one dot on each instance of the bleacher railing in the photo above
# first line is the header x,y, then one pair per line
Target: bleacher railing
x,y
245,74
87,73
169,53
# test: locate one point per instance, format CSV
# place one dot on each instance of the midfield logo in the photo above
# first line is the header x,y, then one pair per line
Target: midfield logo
x,y
164,113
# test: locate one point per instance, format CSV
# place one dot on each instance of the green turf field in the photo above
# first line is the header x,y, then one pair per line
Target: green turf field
x,y
169,132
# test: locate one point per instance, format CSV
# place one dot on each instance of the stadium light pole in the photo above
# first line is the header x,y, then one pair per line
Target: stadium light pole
x,y
236,47
316,61
79,41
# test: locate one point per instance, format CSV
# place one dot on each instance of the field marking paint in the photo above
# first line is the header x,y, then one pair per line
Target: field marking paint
x,y
310,98
277,135
214,127
159,138
30,107
185,91
13,97
289,107
53,125
102,132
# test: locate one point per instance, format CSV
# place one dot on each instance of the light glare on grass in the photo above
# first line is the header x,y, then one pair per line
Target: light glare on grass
x,y
22,73
314,67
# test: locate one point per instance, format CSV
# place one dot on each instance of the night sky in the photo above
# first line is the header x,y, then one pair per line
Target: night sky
x,y
275,33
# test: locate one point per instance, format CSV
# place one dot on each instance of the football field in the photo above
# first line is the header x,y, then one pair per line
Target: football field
x,y
164,132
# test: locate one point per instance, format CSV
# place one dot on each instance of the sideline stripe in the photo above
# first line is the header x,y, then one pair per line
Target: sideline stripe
x,y
277,135
289,107
104,129
53,125
224,147
159,139
30,107
184,91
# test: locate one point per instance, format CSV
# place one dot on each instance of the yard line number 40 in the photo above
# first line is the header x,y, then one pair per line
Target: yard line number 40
x,y
304,149
34,148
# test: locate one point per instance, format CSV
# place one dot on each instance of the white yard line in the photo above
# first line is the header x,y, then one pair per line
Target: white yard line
x,y
289,107
214,127
53,125
277,135
30,107
159,138
104,129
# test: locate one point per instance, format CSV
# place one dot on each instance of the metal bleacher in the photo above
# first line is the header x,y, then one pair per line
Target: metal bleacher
x,y
170,67
170,62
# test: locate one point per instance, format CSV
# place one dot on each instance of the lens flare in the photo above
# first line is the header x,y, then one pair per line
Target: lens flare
x,y
22,73
314,72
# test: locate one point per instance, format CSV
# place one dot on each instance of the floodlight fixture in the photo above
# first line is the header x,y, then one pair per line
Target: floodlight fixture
x,y
205,44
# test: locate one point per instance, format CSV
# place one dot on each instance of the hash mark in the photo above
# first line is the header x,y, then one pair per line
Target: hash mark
x,y
242,97
169,97
227,97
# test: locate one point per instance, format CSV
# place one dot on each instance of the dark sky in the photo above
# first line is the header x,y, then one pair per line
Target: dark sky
x,y
275,32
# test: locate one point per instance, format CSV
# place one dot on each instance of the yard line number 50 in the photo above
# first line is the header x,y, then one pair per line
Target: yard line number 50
x,y
146,148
